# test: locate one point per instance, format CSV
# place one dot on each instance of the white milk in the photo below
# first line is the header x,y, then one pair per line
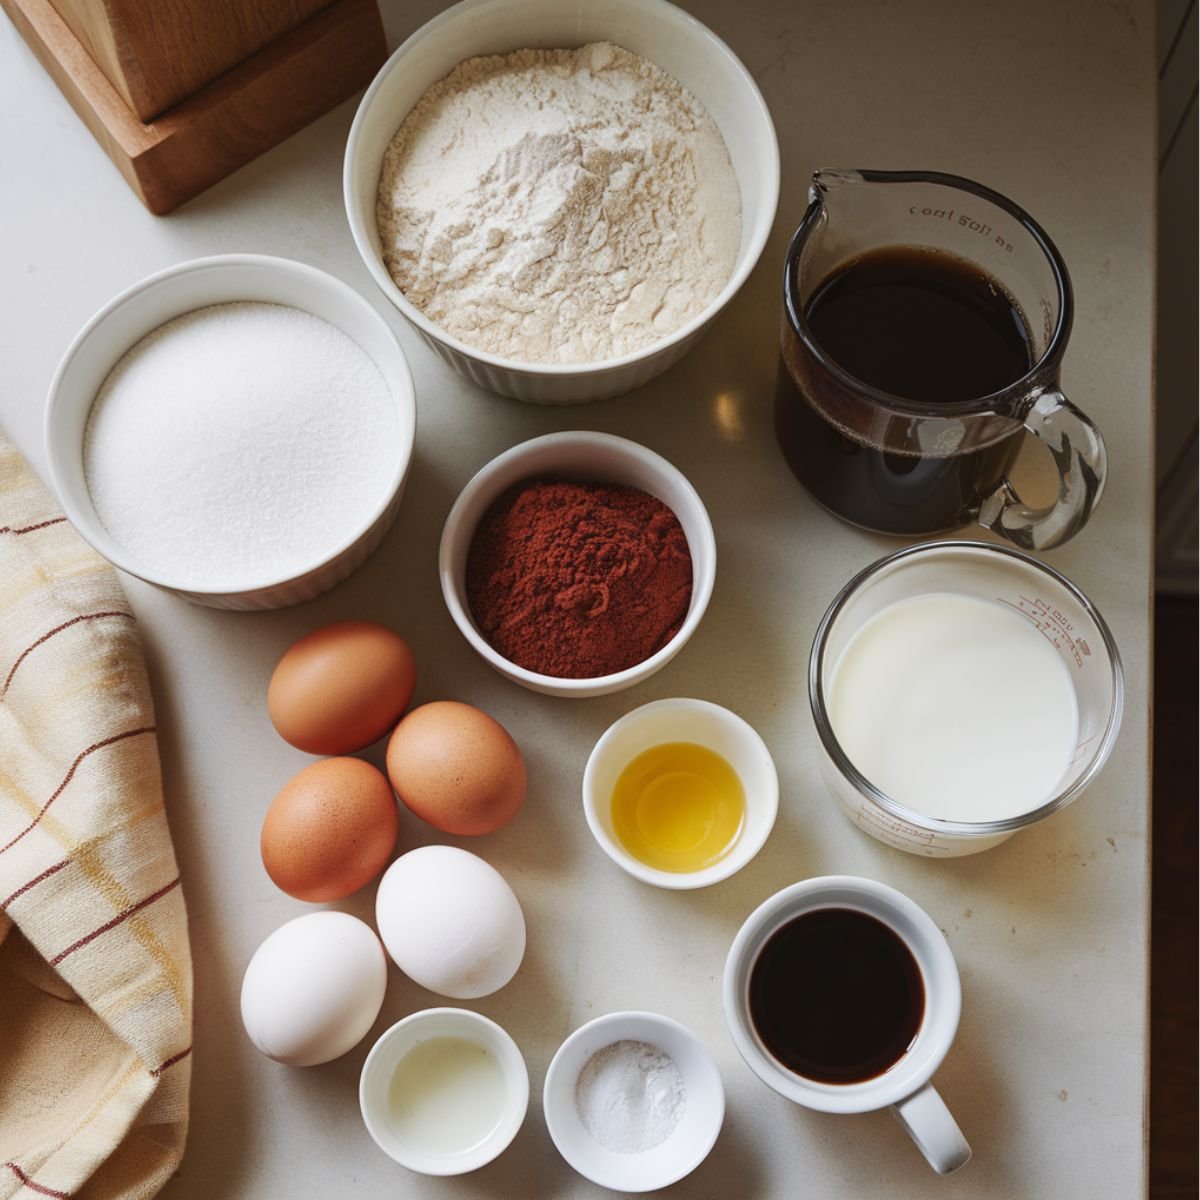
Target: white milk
x,y
956,707
447,1095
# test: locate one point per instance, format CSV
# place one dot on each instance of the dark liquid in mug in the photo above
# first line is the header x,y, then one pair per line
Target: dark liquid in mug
x,y
836,996
924,326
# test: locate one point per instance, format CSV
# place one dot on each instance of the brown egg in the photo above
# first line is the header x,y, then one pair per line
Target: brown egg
x,y
330,830
341,687
457,768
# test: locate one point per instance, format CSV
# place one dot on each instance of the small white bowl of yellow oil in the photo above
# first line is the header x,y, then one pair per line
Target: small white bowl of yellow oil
x,y
444,1091
680,793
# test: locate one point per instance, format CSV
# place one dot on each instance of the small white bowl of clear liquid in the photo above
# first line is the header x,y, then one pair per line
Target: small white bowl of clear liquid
x,y
444,1091
961,691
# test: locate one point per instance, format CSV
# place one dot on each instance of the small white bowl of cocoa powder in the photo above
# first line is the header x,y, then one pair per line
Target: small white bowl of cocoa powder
x,y
577,564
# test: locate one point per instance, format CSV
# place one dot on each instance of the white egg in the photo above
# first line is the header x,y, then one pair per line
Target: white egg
x,y
313,988
450,922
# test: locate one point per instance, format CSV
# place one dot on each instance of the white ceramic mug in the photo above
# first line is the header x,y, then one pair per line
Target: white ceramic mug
x,y
906,1085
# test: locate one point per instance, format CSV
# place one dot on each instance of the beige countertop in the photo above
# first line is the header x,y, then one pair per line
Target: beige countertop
x,y
1052,104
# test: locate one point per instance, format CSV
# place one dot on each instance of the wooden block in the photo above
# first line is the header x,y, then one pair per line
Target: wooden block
x,y
247,110
157,54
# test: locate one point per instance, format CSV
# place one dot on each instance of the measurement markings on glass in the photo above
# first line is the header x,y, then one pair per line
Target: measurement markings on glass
x,y
1052,625
1082,749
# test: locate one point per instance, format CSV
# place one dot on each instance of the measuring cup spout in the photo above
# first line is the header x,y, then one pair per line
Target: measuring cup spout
x,y
829,178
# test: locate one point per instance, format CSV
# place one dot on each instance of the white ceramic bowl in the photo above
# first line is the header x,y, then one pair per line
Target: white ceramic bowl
x,y
588,456
683,720
669,38
396,1042
688,1144
139,310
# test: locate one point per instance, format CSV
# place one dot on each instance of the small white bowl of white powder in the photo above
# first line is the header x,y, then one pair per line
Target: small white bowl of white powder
x,y
560,198
633,1101
236,430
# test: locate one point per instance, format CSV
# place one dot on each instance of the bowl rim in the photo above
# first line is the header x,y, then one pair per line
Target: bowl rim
x,y
650,1021
516,1100
88,524
747,255
702,582
740,853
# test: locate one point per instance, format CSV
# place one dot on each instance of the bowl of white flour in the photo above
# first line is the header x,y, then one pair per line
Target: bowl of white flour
x,y
561,197
237,430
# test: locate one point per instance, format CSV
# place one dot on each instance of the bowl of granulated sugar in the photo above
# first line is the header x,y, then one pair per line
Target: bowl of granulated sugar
x,y
560,198
236,430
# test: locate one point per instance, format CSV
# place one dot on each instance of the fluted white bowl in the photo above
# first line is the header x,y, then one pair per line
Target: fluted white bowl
x,y
654,29
180,289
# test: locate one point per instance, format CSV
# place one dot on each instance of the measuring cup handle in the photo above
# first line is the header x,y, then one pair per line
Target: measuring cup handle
x,y
1082,463
929,1123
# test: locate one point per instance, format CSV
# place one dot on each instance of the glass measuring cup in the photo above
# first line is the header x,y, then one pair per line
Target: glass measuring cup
x,y
1053,607
900,465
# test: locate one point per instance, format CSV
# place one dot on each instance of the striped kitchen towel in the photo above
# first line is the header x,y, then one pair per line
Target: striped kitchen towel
x,y
95,970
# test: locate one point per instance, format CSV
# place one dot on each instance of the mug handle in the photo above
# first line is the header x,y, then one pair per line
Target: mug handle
x,y
1082,463
929,1123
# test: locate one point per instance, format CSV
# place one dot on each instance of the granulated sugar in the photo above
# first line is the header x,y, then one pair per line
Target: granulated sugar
x,y
559,205
238,444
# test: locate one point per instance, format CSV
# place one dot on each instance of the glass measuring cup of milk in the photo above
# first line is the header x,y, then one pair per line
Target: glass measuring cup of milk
x,y
924,325
961,691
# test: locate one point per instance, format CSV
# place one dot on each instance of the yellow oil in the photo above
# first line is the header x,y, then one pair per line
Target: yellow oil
x,y
678,807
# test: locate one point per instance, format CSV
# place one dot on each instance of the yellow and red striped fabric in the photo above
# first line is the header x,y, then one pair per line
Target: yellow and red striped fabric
x,y
95,969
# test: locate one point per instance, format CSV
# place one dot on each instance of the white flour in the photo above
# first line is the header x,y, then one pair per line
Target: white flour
x,y
559,205
630,1097
238,443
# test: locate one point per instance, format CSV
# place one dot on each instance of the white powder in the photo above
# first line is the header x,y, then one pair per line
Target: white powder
x,y
630,1097
239,443
559,205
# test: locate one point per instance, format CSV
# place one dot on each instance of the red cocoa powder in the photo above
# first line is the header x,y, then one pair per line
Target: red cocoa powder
x,y
578,580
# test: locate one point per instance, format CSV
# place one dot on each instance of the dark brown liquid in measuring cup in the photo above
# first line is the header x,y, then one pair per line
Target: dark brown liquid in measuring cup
x,y
836,996
924,326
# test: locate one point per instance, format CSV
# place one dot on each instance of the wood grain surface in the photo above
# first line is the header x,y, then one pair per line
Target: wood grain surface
x,y
245,111
156,55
